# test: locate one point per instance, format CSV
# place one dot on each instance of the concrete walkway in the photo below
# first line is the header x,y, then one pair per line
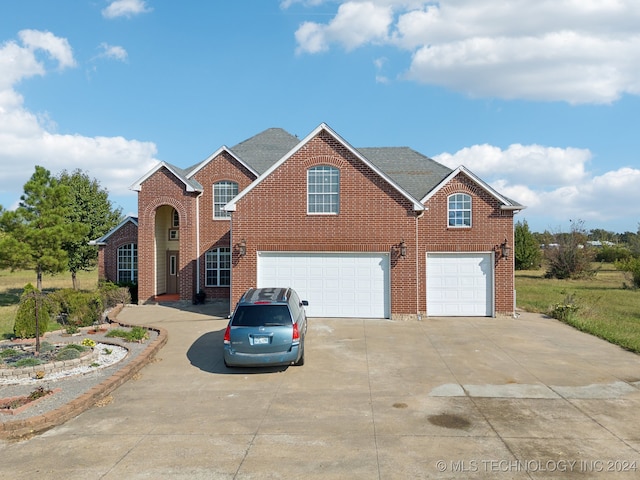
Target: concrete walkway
x,y
441,398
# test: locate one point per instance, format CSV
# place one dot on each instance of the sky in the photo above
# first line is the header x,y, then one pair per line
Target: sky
x,y
540,99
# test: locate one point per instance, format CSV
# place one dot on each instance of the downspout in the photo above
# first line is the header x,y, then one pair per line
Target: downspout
x,y
198,243
231,253
418,216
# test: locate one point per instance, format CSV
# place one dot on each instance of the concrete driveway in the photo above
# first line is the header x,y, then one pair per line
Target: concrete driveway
x,y
441,398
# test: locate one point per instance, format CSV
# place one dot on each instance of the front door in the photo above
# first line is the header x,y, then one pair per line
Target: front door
x,y
172,271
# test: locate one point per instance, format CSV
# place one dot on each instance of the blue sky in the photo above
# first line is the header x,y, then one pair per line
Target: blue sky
x,y
540,99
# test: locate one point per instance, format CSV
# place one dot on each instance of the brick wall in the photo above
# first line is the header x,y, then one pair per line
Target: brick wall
x,y
490,227
373,217
215,233
163,188
108,254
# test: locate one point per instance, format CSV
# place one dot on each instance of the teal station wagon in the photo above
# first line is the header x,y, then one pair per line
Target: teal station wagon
x,y
267,328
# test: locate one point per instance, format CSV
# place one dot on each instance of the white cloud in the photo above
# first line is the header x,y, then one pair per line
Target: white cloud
x,y
577,51
125,8
355,24
27,139
114,52
546,166
553,183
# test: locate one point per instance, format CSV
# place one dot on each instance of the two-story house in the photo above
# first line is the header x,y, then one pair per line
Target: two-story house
x,y
359,232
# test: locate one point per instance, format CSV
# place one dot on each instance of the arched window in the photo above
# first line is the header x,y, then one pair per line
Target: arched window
x,y
459,209
223,192
128,263
323,190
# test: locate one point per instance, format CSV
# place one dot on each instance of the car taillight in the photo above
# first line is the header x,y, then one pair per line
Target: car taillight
x,y
227,335
296,332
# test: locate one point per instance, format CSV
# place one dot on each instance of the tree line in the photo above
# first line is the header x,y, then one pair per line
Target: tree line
x,y
571,254
56,218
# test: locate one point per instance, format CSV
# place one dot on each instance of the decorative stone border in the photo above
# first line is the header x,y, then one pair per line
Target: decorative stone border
x,y
16,411
51,367
22,429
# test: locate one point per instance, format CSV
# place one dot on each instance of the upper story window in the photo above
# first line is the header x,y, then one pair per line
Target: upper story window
x,y
128,263
176,219
459,210
223,192
323,190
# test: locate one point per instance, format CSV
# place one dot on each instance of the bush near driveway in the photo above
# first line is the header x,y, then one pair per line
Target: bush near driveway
x,y
602,306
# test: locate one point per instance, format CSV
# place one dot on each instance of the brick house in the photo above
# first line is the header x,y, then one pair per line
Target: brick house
x,y
369,232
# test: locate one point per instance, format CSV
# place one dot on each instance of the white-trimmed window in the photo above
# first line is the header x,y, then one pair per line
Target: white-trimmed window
x,y
175,223
218,267
128,263
323,190
223,192
459,208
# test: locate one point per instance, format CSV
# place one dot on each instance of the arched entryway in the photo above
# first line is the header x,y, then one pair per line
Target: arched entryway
x,y
167,250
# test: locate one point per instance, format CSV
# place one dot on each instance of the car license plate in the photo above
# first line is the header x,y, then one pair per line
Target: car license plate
x,y
260,340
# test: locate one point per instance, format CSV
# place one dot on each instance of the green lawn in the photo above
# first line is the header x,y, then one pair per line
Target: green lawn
x,y
605,307
12,284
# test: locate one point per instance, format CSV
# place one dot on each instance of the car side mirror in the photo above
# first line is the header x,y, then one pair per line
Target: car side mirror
x,y
305,303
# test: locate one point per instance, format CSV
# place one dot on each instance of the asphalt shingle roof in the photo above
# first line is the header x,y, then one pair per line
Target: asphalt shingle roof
x,y
412,171
415,173
266,148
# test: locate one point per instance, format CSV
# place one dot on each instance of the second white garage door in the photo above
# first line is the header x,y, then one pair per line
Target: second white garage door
x,y
459,284
335,284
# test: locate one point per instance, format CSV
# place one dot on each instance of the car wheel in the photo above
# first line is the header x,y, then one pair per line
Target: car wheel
x,y
300,362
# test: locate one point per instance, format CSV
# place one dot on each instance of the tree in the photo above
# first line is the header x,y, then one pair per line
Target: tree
x,y
570,258
34,233
91,207
527,249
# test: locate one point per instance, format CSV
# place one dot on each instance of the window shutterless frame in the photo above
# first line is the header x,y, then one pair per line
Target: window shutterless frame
x,y
323,190
459,210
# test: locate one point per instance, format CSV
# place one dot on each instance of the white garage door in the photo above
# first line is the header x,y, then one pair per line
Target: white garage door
x,y
335,284
459,284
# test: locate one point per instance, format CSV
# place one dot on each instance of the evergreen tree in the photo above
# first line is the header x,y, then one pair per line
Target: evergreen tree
x,y
91,207
527,250
35,233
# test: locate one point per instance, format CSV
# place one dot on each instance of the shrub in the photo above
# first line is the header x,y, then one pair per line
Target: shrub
x,y
611,254
27,362
136,334
632,267
563,311
68,354
8,352
113,294
75,346
25,322
81,308
570,259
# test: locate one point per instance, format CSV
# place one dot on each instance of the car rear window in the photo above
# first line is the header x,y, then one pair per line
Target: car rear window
x,y
260,315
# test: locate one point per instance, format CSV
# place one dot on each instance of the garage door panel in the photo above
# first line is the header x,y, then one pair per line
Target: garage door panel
x,y
459,284
335,284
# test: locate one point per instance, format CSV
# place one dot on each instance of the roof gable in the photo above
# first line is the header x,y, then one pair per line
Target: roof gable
x,y
103,239
507,204
191,185
231,206
196,168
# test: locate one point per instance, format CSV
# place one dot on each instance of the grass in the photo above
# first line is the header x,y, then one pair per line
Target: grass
x,y
12,284
606,308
